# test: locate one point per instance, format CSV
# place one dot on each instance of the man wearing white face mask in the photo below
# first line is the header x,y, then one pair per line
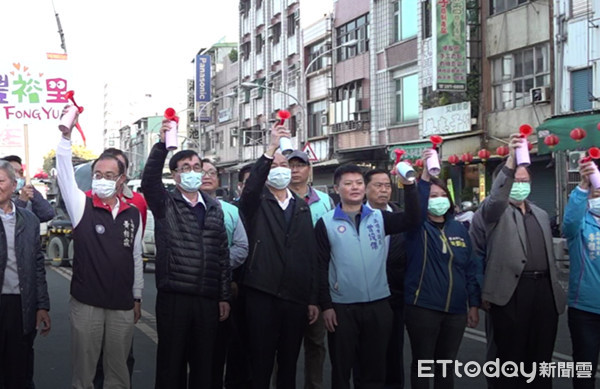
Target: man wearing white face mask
x,y
193,273
281,272
106,288
520,282
26,196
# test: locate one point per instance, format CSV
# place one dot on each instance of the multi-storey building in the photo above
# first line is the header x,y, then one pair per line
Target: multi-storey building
x,y
576,91
269,71
517,61
318,82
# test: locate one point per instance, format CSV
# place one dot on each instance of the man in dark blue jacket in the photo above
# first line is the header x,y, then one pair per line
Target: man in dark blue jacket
x,y
281,272
24,302
193,273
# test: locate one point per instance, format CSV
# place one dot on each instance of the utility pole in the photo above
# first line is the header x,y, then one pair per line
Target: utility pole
x,y
63,45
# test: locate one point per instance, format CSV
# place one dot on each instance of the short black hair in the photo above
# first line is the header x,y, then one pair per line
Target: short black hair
x,y
118,153
243,171
439,182
369,175
109,156
13,158
183,154
345,169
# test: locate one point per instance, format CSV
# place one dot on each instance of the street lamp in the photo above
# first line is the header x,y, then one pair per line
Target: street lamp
x,y
350,43
251,85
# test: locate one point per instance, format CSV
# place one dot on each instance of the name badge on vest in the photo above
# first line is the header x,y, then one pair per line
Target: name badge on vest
x,y
100,229
128,235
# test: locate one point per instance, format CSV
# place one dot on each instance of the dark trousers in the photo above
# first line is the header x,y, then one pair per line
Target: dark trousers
x,y
275,328
585,338
525,330
230,350
362,335
15,346
394,375
433,335
186,327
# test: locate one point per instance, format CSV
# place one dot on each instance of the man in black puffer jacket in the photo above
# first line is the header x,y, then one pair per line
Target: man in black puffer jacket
x,y
193,274
280,275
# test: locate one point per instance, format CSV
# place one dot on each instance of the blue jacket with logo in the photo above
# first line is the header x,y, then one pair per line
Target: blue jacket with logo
x,y
440,273
582,231
352,261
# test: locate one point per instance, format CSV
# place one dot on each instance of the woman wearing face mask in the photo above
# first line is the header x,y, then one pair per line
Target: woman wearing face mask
x,y
441,291
581,227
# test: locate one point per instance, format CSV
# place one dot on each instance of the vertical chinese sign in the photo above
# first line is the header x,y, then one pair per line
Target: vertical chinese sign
x,y
449,45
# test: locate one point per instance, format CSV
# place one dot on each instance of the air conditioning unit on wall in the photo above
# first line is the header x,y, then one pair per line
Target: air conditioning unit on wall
x,y
540,94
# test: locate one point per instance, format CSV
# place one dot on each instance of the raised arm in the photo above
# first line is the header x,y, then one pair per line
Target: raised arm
x,y
496,203
397,222
577,206
250,197
73,197
152,185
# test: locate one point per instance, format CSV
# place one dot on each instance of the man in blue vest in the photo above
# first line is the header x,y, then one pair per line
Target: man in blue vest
x,y
354,290
237,239
319,203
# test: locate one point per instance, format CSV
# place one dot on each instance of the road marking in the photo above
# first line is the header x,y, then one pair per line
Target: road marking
x,y
141,325
479,336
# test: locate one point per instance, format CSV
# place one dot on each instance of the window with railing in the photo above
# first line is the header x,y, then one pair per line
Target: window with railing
x,y
276,32
314,51
516,73
317,118
357,29
291,24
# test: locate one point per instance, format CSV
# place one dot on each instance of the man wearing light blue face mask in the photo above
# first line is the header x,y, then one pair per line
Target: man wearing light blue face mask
x,y
280,275
581,227
521,283
193,273
26,196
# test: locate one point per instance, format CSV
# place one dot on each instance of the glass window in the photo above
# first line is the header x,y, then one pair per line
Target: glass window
x,y
356,29
405,19
498,6
316,124
581,89
407,101
515,74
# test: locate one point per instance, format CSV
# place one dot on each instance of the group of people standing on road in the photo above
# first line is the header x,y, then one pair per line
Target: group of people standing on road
x,y
242,286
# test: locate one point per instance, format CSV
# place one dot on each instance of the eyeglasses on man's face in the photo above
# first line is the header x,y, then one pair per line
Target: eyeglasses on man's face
x,y
110,176
295,165
211,173
186,168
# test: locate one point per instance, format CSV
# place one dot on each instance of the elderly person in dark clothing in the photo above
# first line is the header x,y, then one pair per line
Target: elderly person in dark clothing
x,y
24,302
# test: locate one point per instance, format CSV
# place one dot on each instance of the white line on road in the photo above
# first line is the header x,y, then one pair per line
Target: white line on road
x,y
145,328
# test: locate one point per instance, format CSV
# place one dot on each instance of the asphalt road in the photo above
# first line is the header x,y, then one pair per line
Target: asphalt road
x,y
53,369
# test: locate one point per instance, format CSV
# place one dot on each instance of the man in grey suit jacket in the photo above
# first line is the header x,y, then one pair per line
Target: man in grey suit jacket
x,y
520,281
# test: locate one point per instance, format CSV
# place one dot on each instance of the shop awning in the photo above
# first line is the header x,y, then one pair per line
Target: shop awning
x,y
561,126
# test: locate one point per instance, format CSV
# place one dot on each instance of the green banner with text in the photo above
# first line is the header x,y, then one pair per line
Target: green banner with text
x,y
449,45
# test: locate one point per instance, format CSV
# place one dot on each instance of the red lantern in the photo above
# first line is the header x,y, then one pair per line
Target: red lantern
x,y
483,154
453,159
467,158
502,151
551,140
419,163
578,134
525,130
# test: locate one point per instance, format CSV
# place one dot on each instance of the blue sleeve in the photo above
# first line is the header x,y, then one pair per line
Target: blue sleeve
x,y
41,207
575,213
